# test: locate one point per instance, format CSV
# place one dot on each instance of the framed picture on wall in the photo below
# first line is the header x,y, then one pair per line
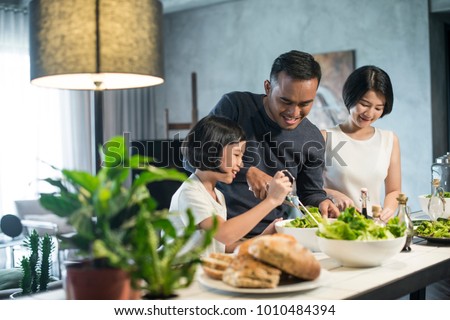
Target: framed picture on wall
x,y
328,109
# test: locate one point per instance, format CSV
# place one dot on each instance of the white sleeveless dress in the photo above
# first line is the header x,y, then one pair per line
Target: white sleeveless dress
x,y
354,164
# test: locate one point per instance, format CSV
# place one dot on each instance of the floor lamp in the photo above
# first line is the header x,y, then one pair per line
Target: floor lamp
x,y
96,45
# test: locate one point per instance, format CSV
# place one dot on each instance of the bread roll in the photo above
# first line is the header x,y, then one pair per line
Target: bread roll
x,y
286,255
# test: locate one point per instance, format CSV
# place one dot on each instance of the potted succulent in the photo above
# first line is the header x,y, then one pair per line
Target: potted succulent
x,y
119,230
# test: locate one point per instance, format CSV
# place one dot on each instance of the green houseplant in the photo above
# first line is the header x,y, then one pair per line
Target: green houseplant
x,y
118,226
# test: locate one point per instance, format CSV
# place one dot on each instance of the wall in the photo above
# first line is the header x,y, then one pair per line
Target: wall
x,y
232,45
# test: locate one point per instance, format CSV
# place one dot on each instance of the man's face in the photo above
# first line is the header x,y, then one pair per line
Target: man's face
x,y
289,100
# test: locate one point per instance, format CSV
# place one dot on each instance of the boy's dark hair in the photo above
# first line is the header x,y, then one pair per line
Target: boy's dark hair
x,y
298,65
364,79
203,146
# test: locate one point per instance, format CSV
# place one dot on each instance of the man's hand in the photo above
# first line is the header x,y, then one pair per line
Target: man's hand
x,y
329,209
258,182
343,202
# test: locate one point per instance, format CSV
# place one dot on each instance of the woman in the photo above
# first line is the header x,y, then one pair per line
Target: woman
x,y
359,155
214,147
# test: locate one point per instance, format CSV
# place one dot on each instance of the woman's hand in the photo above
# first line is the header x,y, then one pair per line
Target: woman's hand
x,y
386,214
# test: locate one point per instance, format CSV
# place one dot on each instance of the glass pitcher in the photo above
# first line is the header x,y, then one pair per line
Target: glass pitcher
x,y
441,170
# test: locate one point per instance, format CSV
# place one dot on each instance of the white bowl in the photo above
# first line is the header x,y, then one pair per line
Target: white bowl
x,y
423,200
356,253
305,236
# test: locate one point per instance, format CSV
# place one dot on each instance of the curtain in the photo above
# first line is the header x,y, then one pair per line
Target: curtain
x,y
39,127
22,110
130,112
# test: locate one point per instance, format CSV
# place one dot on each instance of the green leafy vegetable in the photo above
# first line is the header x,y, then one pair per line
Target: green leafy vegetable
x,y
435,229
446,194
351,225
306,221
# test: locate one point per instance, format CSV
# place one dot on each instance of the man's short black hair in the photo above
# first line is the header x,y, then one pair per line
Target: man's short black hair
x,y
298,65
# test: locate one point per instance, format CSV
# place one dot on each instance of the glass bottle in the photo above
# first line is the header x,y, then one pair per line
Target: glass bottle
x,y
364,199
436,204
404,215
376,215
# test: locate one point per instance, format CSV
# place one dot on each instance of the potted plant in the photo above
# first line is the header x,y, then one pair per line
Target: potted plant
x,y
119,230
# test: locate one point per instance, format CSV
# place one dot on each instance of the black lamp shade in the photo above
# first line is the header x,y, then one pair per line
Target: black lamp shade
x,y
96,44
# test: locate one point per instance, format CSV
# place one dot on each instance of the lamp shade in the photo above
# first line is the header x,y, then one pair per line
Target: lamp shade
x,y
96,44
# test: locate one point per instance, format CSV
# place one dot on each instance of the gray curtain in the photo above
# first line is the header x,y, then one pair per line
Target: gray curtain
x,y
129,111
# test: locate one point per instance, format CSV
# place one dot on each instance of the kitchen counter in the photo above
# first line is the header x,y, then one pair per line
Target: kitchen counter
x,y
405,273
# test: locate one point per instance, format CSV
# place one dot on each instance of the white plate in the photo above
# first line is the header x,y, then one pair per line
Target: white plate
x,y
291,287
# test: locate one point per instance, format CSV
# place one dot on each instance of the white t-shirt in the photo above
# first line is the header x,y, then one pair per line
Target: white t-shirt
x,y
193,194
354,164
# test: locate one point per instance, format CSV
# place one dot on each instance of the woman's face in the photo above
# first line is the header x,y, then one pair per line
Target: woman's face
x,y
289,100
232,161
368,110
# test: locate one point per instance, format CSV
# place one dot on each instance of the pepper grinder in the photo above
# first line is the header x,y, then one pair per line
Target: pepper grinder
x,y
404,215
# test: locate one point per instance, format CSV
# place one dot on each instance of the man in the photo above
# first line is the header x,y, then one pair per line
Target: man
x,y
279,136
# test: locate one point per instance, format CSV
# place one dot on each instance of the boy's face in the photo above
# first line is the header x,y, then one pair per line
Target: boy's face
x,y
289,100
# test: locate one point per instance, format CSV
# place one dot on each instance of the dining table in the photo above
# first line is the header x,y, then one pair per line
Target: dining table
x,y
404,276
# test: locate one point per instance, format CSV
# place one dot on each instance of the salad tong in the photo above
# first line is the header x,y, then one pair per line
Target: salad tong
x,y
293,200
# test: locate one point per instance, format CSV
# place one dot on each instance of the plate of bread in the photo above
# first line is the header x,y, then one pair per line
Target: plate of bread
x,y
265,264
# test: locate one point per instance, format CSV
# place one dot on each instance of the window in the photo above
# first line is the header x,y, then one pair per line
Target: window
x,y
30,117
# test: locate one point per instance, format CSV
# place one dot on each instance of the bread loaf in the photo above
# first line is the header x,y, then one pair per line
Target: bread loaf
x,y
215,264
286,255
247,272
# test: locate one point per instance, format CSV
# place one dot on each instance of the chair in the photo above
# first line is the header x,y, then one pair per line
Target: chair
x,y
31,210
166,154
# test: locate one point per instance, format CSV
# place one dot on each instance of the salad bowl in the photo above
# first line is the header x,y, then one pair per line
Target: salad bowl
x,y
361,253
305,236
424,199
355,241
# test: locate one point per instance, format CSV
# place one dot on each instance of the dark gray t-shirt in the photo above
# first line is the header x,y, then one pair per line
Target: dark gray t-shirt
x,y
271,148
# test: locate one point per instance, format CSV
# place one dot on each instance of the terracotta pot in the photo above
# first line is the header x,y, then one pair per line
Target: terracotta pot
x,y
91,283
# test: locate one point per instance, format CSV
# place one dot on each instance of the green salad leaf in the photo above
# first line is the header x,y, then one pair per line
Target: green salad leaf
x,y
351,225
306,221
446,194
435,229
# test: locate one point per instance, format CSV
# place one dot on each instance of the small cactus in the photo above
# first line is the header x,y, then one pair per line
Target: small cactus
x,y
47,249
25,283
36,267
